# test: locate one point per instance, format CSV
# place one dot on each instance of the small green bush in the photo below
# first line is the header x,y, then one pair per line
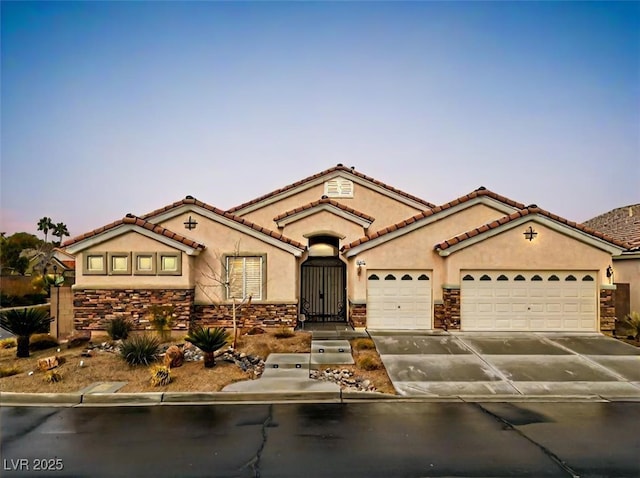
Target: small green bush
x,y
631,323
8,343
162,320
208,340
364,344
140,349
284,333
160,375
118,328
42,342
9,371
369,363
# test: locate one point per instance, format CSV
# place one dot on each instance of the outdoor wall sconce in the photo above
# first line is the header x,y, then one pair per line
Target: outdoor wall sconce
x,y
360,263
610,274
530,234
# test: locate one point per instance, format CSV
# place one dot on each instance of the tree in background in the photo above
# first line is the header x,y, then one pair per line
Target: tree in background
x,y
60,230
11,262
45,225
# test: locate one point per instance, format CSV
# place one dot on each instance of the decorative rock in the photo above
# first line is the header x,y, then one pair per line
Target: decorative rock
x,y
79,338
345,378
48,363
174,357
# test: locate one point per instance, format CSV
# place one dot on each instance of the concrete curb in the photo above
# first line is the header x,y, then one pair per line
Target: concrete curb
x,y
16,398
148,398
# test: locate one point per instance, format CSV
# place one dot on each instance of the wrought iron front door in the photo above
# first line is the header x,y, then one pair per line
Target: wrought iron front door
x,y
323,289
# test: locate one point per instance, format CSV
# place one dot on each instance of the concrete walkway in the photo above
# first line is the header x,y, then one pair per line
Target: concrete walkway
x,y
509,364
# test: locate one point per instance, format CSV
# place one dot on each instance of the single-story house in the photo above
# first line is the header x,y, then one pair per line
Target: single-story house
x,y
623,224
342,246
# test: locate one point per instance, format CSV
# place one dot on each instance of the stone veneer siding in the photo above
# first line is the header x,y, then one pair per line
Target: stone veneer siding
x,y
607,311
450,315
94,307
358,315
263,315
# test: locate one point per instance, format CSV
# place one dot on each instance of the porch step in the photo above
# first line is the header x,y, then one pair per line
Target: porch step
x,y
330,352
287,361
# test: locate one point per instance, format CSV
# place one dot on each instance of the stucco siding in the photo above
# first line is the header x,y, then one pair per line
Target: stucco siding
x,y
221,240
628,271
323,221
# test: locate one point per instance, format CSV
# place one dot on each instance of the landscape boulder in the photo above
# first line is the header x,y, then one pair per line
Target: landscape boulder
x,y
173,357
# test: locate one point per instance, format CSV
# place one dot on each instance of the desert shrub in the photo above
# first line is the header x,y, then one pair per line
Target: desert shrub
x,y
42,342
9,371
369,363
52,376
160,375
284,333
631,323
118,328
364,344
8,343
161,318
140,349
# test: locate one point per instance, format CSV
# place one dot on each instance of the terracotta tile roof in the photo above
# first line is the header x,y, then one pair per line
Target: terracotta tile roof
x,y
339,167
533,209
131,219
69,264
228,215
622,223
324,200
480,192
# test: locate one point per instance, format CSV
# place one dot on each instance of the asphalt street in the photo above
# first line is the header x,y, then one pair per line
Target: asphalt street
x,y
373,439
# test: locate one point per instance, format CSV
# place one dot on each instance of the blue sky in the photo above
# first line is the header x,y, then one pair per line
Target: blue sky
x,y
117,107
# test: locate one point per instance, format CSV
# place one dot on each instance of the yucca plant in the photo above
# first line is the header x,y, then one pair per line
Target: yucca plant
x,y
118,328
631,323
140,349
23,323
208,340
52,376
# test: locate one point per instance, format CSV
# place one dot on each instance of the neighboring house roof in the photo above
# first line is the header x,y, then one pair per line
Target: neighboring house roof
x,y
168,211
622,223
512,220
436,212
336,169
132,220
319,205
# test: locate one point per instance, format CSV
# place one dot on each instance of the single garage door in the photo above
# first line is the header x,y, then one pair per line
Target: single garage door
x,y
529,300
398,299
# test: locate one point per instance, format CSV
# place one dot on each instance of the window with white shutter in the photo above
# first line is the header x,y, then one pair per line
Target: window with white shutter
x,y
244,275
338,187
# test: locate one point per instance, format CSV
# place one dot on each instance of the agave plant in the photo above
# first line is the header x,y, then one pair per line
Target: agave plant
x,y
208,340
23,323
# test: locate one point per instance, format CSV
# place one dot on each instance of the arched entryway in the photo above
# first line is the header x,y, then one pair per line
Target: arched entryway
x,y
323,293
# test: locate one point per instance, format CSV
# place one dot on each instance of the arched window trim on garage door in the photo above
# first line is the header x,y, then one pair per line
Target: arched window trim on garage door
x,y
588,278
374,277
570,277
406,277
485,277
390,277
519,277
553,278
468,277
536,278
502,277
423,277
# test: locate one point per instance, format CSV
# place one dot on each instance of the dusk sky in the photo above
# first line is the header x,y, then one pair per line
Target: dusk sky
x,y
117,107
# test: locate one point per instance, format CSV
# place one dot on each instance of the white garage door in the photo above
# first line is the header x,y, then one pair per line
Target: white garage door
x,y
398,299
529,300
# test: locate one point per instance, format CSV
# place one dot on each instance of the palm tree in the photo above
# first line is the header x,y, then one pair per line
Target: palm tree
x,y
208,340
44,225
23,323
60,230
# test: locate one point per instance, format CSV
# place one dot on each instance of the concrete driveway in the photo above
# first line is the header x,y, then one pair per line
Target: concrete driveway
x,y
529,364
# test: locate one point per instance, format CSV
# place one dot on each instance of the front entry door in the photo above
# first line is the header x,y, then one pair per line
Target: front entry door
x,y
323,289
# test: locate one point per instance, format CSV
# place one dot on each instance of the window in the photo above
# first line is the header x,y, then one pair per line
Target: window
x,y
423,277
485,277
374,277
502,277
144,263
95,263
119,263
338,188
169,263
406,277
245,277
390,277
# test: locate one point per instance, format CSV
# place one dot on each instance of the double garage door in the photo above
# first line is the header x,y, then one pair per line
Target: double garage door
x,y
529,300
398,299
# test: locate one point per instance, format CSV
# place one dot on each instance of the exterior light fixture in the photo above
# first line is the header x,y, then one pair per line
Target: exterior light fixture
x,y
360,263
530,234
610,274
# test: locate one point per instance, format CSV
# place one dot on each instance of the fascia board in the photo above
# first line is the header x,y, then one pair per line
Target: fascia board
x,y
324,207
125,228
428,220
543,220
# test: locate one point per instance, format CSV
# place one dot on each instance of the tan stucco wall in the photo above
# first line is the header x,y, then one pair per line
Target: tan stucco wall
x,y
550,250
132,242
415,249
385,210
220,240
323,221
628,271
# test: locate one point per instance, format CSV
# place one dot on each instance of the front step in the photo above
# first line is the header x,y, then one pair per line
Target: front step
x,y
330,352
